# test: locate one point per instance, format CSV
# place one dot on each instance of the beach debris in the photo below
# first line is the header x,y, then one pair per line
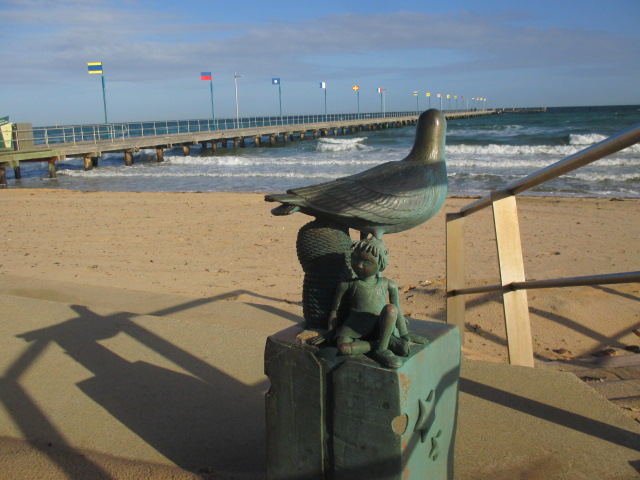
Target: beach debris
x,y
589,379
607,352
563,351
407,288
633,348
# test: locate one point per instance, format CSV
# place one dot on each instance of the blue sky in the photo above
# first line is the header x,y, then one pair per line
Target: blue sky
x,y
513,53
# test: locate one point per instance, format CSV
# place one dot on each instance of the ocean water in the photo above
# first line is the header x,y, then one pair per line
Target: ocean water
x,y
483,154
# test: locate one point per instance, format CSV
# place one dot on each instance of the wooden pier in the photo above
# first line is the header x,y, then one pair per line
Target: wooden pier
x,y
91,151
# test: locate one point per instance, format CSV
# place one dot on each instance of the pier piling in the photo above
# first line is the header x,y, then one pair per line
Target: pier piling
x,y
52,168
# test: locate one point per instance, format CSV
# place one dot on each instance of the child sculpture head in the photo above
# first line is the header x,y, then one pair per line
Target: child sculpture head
x,y
369,257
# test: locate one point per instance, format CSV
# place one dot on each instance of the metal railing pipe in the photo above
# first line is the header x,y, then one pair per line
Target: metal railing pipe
x,y
613,144
586,281
590,280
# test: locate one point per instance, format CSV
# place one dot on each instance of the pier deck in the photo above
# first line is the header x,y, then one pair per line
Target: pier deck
x,y
91,150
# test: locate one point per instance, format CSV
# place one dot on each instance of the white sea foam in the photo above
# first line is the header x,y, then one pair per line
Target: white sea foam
x,y
589,139
265,161
513,150
332,144
163,173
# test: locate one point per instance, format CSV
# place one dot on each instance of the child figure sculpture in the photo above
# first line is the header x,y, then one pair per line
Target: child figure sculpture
x,y
371,323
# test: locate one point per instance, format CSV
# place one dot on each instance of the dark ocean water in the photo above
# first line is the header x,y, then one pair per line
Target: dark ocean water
x,y
483,154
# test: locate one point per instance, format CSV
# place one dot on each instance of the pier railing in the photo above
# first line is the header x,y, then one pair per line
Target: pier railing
x,y
513,284
115,132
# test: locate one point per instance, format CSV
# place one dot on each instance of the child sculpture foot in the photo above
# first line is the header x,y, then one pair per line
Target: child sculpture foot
x,y
399,346
412,337
386,358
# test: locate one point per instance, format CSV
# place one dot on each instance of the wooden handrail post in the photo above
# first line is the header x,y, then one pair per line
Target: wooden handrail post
x,y
455,271
515,304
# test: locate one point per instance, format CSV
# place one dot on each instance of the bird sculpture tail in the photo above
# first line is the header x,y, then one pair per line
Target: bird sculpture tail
x,y
288,204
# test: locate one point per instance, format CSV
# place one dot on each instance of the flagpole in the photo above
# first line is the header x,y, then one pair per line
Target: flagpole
x,y
235,81
213,115
280,98
325,101
384,103
104,100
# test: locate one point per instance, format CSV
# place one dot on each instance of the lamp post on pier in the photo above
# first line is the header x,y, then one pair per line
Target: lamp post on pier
x,y
276,81
235,81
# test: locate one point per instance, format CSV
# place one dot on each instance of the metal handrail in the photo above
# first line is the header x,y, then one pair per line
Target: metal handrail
x,y
606,279
115,132
512,273
73,134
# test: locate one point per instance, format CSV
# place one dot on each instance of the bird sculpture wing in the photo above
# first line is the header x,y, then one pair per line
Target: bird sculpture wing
x,y
389,198
390,193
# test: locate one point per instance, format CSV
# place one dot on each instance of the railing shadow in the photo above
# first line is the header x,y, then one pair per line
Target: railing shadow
x,y
201,420
559,416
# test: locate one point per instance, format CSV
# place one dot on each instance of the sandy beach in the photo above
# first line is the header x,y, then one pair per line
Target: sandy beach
x,y
211,244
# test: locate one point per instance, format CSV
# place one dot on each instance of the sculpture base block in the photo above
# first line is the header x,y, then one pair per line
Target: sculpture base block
x,y
338,417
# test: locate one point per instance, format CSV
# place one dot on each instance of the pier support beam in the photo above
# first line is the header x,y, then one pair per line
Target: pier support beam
x,y
17,172
235,142
88,164
3,177
214,146
256,140
160,154
186,149
128,158
285,137
272,140
52,168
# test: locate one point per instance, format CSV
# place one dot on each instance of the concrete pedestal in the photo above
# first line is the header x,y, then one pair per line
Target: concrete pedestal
x,y
336,417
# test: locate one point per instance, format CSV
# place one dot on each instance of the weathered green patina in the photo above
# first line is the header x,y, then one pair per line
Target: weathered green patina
x,y
345,417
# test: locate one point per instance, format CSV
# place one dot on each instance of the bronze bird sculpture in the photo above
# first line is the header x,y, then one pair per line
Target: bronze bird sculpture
x,y
389,198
